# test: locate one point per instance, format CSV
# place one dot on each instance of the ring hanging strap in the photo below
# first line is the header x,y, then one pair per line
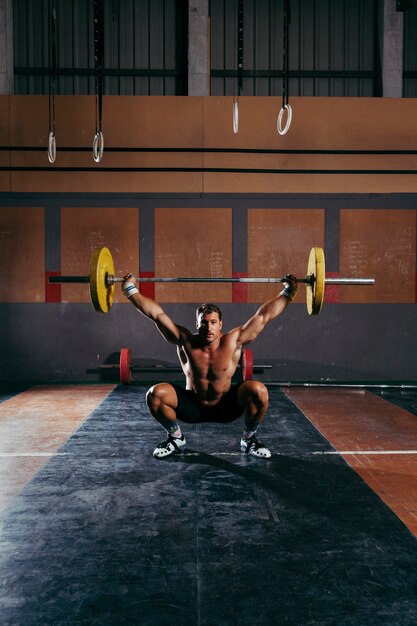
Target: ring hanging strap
x,y
99,67
240,49
239,67
285,55
52,79
285,107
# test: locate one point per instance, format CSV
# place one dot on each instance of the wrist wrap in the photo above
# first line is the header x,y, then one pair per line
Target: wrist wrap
x,y
129,289
288,293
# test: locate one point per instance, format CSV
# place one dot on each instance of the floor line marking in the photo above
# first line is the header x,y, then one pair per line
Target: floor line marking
x,y
31,454
367,452
315,452
225,453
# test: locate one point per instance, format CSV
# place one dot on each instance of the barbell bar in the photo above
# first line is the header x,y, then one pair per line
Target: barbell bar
x,y
102,280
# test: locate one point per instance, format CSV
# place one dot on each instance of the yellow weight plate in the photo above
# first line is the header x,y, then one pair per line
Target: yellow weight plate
x,y
315,291
101,294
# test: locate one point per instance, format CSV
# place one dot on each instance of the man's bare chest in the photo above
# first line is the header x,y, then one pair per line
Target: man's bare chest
x,y
211,364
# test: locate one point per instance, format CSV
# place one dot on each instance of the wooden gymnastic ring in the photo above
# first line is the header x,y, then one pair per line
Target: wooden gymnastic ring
x,y
98,146
288,109
51,147
235,116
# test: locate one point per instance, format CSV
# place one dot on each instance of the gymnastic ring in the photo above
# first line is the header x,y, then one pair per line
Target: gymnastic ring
x,y
98,146
283,131
51,147
235,117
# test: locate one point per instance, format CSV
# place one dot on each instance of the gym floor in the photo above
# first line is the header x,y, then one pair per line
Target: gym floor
x,y
94,530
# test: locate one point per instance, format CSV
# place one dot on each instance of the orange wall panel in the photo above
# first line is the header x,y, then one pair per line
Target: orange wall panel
x,y
317,124
75,121
279,243
85,228
343,124
128,121
193,243
4,120
353,123
257,123
153,121
4,141
106,182
308,183
5,180
378,244
22,249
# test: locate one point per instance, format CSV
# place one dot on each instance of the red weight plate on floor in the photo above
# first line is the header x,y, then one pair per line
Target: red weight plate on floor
x,y
125,366
247,364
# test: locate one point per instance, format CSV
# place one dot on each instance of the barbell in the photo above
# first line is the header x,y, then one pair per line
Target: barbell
x,y
127,367
102,280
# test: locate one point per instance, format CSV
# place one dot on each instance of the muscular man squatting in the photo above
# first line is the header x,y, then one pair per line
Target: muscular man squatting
x,y
209,359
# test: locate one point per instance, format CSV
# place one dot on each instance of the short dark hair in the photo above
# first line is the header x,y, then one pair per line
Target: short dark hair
x,y
208,307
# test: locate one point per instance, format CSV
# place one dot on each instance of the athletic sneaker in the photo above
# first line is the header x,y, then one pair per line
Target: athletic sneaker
x,y
172,445
255,448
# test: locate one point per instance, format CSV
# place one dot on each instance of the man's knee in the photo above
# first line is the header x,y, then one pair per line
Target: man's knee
x,y
162,393
253,391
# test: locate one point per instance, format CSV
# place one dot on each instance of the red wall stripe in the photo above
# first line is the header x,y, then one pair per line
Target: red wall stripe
x,y
147,289
53,292
332,292
239,290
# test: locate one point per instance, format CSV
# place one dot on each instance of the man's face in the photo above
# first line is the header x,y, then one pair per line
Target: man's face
x,y
209,327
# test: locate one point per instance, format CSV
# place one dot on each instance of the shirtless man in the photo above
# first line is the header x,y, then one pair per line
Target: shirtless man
x,y
209,359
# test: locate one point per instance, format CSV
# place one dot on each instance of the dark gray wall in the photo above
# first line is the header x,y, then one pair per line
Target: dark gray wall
x,y
68,342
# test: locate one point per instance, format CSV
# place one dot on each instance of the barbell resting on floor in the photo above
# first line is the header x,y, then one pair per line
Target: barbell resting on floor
x,y
126,366
102,280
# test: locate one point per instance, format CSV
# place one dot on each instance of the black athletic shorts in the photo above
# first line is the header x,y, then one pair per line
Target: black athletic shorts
x,y
190,410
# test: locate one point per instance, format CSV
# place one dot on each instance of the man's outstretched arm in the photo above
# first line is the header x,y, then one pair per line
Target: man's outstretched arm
x,y
151,309
268,311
